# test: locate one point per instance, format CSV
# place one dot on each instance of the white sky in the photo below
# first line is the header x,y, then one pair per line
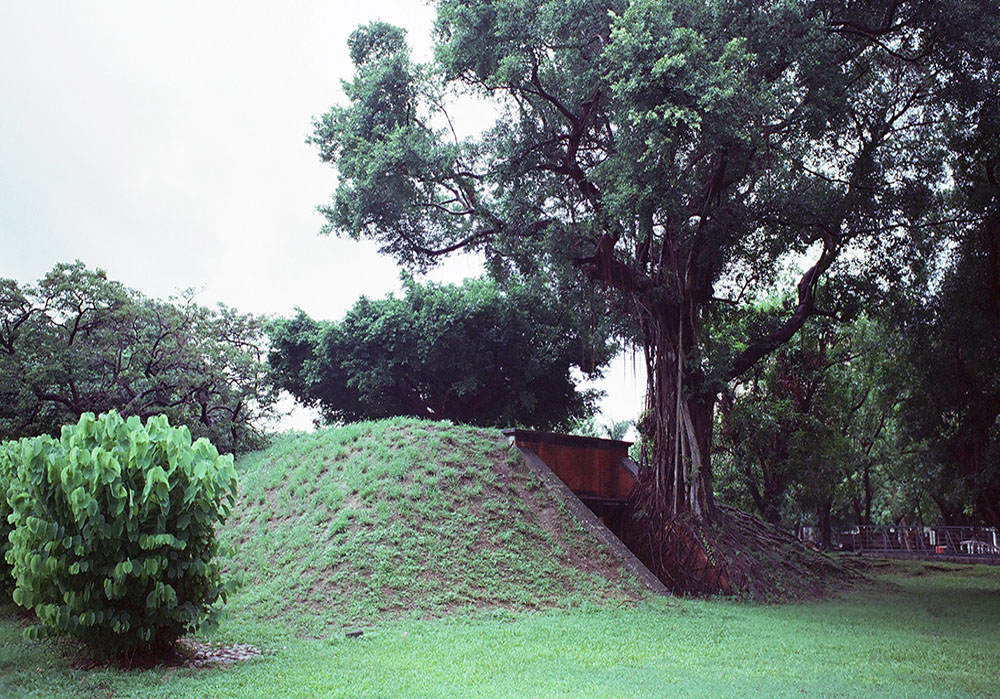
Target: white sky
x,y
165,143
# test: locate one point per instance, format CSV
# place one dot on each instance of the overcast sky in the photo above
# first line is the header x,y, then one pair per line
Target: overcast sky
x,y
165,143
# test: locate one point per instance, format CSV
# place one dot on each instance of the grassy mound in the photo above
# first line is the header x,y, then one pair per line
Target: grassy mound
x,y
380,520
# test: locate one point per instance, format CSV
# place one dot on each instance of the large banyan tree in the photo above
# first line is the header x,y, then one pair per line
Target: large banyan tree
x,y
678,154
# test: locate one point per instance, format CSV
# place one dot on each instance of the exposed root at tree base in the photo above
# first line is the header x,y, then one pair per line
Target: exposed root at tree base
x,y
738,555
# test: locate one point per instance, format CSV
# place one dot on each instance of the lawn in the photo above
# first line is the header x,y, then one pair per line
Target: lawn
x,y
919,630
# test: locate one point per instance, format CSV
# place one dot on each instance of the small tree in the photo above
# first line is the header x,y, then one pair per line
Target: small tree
x,y
8,474
114,538
801,431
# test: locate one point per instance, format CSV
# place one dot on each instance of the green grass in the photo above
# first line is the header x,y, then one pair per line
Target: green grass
x,y
404,519
920,631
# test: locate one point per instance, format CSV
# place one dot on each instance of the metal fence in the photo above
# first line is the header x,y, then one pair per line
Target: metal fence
x,y
953,541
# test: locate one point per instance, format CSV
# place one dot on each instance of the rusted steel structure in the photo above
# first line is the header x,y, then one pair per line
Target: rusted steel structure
x,y
593,477
598,471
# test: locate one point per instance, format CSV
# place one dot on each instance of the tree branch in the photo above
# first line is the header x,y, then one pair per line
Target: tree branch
x,y
805,308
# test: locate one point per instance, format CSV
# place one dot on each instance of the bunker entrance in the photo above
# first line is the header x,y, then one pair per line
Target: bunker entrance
x,y
594,477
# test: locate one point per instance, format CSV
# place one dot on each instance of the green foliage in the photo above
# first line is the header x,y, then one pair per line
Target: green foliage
x,y
953,422
471,353
114,531
676,155
810,432
79,342
588,427
952,419
9,455
378,147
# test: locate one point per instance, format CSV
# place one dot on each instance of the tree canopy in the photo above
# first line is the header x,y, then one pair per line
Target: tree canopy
x,y
471,353
677,155
78,342
954,418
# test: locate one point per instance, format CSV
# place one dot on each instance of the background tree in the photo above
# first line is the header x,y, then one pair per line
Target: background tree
x,y
589,427
954,417
78,342
809,435
952,420
469,353
674,154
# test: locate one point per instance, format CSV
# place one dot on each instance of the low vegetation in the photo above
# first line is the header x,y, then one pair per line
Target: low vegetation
x,y
356,525
465,577
8,469
113,532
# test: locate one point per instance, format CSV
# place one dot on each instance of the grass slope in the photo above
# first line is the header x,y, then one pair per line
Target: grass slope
x,y
402,517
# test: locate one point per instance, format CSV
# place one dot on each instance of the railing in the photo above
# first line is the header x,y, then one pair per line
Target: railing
x,y
954,541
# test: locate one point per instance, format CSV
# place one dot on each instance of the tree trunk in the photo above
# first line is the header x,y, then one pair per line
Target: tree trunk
x,y
859,516
673,504
681,410
824,521
868,492
774,494
674,525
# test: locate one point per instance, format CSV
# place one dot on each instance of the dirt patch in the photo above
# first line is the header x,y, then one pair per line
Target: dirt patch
x,y
944,569
186,653
200,655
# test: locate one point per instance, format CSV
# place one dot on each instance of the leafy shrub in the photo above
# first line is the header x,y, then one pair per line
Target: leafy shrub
x,y
8,474
114,538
